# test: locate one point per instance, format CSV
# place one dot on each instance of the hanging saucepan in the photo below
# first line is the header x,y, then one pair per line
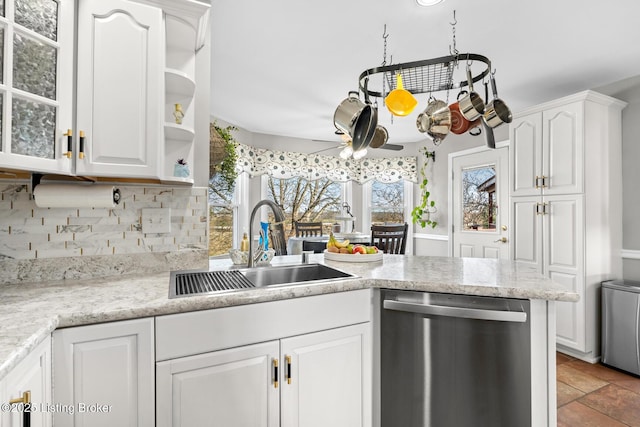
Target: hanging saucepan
x,y
435,120
400,101
459,123
471,105
355,118
488,130
380,137
497,111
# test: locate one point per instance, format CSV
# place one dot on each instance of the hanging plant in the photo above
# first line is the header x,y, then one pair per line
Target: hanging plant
x,y
421,214
227,167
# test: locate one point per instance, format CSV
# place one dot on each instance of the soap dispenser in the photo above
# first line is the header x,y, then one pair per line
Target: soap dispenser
x,y
244,244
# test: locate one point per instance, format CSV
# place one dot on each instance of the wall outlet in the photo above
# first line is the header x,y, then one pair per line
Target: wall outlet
x,y
156,220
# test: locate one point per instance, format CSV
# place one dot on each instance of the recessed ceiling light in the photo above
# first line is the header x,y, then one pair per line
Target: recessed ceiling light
x,y
428,2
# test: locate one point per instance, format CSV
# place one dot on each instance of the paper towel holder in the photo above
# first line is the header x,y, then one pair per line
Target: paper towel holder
x,y
36,178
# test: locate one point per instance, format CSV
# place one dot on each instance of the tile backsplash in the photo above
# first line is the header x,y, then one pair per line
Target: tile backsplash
x,y
151,225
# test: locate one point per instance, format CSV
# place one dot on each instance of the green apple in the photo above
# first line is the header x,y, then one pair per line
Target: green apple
x,y
372,250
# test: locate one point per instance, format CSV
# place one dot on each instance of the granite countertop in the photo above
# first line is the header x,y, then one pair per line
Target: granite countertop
x,y
30,312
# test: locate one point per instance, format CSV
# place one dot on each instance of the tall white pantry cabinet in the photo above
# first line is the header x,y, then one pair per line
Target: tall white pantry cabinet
x,y
566,205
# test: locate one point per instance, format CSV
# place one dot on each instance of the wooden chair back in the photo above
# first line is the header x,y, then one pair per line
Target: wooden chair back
x,y
308,229
277,238
390,238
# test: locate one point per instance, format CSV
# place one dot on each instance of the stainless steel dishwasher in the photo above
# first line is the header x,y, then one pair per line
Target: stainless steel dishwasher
x,y
454,360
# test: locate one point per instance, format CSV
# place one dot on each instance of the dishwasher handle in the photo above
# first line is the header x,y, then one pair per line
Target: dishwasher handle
x,y
462,312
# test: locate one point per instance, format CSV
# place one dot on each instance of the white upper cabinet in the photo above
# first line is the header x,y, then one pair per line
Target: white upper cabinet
x,y
547,151
120,85
134,68
36,81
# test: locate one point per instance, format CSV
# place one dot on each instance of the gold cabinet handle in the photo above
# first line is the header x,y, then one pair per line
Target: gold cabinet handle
x,y
501,240
81,140
275,372
25,399
288,373
536,182
69,135
542,211
544,181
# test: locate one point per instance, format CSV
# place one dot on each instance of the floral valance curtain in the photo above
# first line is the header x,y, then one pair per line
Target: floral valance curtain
x,y
285,164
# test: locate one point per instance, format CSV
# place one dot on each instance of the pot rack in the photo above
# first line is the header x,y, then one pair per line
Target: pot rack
x,y
425,76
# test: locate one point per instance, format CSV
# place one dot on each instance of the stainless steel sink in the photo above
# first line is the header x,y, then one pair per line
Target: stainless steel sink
x,y
185,283
287,274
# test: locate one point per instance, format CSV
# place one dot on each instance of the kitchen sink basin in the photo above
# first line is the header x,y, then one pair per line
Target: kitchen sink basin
x,y
185,283
288,274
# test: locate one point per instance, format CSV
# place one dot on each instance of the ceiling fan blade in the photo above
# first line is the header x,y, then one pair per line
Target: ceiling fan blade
x,y
394,147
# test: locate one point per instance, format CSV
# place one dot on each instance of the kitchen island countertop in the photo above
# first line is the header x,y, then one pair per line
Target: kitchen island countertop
x,y
30,312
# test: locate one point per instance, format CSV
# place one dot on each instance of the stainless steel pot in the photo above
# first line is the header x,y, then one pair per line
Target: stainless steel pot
x,y
356,119
380,137
435,120
352,116
471,105
497,111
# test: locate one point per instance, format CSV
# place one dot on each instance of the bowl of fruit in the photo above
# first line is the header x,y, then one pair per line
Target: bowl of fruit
x,y
347,252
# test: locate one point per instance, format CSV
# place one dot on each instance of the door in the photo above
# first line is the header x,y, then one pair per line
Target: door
x,y
325,378
110,366
120,86
237,387
480,212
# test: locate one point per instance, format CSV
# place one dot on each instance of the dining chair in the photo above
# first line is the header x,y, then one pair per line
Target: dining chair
x,y
390,238
277,238
308,229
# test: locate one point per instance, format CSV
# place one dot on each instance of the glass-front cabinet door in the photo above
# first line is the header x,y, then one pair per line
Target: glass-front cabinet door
x,y
36,76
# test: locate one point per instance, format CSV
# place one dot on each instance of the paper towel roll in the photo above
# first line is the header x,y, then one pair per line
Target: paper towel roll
x,y
75,196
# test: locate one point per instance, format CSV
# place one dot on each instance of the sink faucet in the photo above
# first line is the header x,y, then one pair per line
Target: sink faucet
x,y
278,216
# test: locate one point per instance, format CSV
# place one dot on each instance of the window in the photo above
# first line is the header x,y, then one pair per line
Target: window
x,y
223,212
479,206
387,202
307,201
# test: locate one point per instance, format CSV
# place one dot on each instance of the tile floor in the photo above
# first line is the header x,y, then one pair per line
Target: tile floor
x,y
595,395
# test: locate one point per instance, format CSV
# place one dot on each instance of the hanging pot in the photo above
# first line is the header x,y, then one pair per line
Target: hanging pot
x,y
354,118
400,102
497,111
435,120
362,141
380,137
471,105
459,123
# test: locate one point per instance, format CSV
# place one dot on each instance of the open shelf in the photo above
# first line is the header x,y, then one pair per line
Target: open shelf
x,y
179,83
178,132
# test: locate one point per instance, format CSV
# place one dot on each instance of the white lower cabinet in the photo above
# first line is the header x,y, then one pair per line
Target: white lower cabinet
x,y
103,375
325,379
301,362
317,379
28,389
234,387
